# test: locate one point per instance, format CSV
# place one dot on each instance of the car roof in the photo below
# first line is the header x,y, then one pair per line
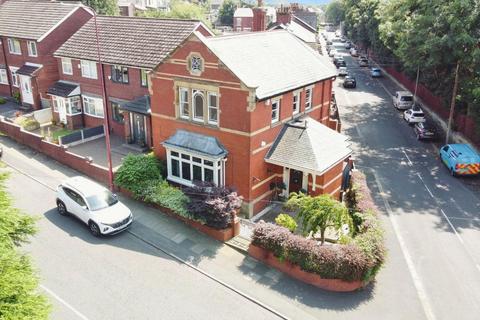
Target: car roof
x,y
404,93
463,149
83,185
375,69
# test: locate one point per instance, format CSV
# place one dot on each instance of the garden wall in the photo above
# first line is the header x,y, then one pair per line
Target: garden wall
x,y
59,153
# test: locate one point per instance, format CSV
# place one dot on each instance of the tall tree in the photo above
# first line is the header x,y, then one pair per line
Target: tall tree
x,y
335,12
226,12
181,10
105,7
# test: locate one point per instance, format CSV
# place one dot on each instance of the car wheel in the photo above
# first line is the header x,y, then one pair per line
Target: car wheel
x,y
62,209
94,229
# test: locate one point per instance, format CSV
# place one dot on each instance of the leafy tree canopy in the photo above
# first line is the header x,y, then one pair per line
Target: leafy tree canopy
x,y
105,7
226,12
335,13
180,10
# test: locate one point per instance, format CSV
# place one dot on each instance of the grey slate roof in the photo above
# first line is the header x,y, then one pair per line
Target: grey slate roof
x,y
63,89
272,62
190,141
308,145
309,17
130,41
32,19
28,70
139,105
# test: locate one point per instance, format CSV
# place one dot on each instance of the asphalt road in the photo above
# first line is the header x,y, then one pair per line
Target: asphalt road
x,y
435,218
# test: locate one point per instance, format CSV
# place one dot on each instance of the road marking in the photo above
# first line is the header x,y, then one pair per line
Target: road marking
x,y
425,185
69,306
421,292
406,155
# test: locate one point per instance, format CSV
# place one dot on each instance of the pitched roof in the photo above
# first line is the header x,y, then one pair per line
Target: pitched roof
x,y
28,70
196,142
243,13
64,89
297,30
32,19
130,41
272,62
307,145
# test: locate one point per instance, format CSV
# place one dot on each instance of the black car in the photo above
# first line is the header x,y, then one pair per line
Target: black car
x,y
329,42
348,46
349,82
425,130
341,63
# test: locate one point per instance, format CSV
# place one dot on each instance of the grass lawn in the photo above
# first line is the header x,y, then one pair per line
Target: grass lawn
x,y
61,132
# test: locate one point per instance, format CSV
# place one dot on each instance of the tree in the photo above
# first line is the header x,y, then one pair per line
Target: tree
x,y
335,12
179,10
105,7
19,298
316,214
226,12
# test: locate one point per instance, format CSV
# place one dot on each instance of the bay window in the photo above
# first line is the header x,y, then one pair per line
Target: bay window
x,y
72,105
93,106
186,168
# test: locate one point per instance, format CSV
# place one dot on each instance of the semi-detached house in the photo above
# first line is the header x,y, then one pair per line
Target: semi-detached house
x,y
249,111
30,31
130,47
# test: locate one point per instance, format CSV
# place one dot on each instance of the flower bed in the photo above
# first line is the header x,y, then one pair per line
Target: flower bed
x,y
346,266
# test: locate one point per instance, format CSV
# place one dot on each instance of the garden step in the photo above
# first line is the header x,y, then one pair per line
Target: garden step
x,y
239,243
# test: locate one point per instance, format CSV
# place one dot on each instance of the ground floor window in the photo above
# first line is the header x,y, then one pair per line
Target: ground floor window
x,y
186,168
93,106
3,76
117,114
70,106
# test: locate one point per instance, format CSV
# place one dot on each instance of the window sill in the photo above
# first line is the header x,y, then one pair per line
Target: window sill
x,y
275,124
93,116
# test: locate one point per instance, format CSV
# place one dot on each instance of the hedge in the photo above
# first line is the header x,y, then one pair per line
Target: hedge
x,y
358,258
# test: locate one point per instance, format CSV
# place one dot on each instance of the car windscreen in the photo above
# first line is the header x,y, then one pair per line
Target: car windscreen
x,y
406,98
418,114
102,200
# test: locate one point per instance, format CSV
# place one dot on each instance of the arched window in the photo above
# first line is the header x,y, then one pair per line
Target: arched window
x,y
198,102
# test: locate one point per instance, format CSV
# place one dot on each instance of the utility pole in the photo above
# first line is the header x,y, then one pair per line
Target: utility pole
x,y
452,103
416,85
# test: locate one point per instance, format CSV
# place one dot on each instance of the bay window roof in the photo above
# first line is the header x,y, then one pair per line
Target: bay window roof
x,y
194,142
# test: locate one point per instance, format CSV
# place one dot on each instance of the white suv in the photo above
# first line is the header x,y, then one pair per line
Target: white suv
x,y
403,100
414,115
93,204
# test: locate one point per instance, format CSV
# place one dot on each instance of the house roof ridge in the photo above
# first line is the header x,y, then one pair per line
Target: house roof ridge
x,y
142,18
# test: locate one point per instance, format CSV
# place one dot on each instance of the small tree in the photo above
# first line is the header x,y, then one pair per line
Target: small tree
x,y
104,7
316,214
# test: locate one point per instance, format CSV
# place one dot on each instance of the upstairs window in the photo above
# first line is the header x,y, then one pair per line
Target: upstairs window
x,y
275,111
32,48
212,108
198,105
183,101
119,74
308,98
198,102
296,103
89,69
67,66
14,46
144,78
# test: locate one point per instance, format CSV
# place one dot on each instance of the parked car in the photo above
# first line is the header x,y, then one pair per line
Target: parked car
x,y
460,159
353,52
376,72
363,62
342,72
414,115
339,62
329,42
332,53
348,46
349,82
94,205
343,39
425,130
403,100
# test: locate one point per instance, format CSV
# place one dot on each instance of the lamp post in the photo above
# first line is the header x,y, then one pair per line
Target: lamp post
x,y
104,101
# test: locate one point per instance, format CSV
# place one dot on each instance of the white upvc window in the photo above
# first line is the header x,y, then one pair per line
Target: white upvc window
x,y
308,98
198,102
32,48
3,76
275,111
67,66
186,168
212,108
296,103
15,79
93,106
183,101
14,46
89,69
73,105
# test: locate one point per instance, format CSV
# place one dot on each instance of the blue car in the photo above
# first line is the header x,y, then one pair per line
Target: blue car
x,y
375,72
460,159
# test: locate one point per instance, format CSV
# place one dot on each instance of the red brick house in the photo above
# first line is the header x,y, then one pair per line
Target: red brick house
x,y
242,111
130,47
243,19
30,31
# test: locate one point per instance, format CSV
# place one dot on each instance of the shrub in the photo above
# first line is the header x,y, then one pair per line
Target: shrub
x,y
165,195
17,96
286,221
27,122
136,173
3,100
212,204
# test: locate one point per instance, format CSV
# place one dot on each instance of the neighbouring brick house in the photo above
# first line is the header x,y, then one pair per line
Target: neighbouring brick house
x,y
243,19
130,47
242,111
300,29
30,31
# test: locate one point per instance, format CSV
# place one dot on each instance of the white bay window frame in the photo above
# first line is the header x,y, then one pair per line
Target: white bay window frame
x,y
93,106
70,103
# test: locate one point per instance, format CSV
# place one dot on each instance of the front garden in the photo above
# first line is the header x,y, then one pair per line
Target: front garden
x,y
202,204
299,246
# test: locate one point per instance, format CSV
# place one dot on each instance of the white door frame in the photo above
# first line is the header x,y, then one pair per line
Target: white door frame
x,y
26,88
62,110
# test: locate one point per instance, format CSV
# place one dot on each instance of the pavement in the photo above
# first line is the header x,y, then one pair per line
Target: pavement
x,y
9,109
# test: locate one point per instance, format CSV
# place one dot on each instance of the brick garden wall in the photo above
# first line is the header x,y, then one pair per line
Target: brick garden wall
x,y
59,153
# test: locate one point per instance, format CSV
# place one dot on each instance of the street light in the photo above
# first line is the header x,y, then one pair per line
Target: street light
x,y
104,101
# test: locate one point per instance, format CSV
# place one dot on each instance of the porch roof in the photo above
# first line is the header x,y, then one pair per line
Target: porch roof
x,y
198,143
28,70
64,89
307,145
139,105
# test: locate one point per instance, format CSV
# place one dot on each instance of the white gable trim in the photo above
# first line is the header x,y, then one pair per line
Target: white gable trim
x,y
60,22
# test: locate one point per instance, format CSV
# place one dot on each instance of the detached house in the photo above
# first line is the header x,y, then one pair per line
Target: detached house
x,y
130,47
244,111
30,31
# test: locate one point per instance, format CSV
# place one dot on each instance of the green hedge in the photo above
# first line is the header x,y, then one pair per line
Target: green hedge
x,y
357,258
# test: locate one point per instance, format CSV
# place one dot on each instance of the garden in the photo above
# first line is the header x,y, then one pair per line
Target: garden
x,y
332,245
206,207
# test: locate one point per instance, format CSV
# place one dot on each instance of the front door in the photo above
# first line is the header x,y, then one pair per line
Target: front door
x,y
296,181
26,87
62,110
138,128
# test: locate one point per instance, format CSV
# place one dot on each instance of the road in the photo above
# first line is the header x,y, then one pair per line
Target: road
x,y
435,218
